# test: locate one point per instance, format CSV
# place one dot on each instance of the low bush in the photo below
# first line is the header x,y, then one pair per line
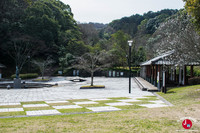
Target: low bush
x,y
92,87
41,80
194,81
26,76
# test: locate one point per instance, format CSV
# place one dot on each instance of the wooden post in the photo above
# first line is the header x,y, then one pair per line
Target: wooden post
x,y
153,75
156,72
191,71
180,75
185,75
175,75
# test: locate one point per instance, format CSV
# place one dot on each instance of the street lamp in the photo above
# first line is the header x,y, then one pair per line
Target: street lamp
x,y
129,63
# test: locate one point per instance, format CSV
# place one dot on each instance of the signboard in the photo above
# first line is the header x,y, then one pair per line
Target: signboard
x,y
109,73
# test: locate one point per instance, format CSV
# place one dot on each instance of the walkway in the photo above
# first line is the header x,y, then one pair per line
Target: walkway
x,y
68,98
115,87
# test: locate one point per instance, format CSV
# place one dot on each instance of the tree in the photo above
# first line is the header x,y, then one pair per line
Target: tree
x,y
52,22
92,62
139,56
119,48
20,50
178,34
43,65
89,34
193,8
66,61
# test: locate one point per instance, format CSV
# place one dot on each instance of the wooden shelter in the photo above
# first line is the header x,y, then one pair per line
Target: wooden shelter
x,y
160,71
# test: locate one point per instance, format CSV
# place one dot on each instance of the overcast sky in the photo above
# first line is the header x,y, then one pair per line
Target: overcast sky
x,y
104,11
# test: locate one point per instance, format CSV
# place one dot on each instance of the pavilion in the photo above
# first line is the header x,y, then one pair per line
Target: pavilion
x,y
160,71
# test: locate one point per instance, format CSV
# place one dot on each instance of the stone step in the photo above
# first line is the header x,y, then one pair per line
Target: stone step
x,y
146,84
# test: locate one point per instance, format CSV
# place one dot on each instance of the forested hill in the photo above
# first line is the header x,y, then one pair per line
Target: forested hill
x,y
150,21
140,28
38,30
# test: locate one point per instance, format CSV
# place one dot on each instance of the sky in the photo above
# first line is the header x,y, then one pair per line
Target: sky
x,y
105,11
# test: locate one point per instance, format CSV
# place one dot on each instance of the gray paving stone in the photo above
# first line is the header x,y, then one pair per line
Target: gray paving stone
x,y
56,101
35,105
115,87
42,112
118,104
67,107
104,108
86,102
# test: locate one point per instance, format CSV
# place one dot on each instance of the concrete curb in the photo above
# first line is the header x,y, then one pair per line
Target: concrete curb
x,y
162,99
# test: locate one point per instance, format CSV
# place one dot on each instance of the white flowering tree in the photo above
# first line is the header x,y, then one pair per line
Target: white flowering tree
x,y
178,34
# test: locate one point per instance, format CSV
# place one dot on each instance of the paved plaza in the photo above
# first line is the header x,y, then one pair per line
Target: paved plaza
x,y
68,95
115,87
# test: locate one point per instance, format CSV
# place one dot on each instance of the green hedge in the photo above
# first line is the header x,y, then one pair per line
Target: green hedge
x,y
26,76
194,81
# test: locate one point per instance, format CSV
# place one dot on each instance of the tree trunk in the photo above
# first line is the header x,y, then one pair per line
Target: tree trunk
x,y
42,75
92,77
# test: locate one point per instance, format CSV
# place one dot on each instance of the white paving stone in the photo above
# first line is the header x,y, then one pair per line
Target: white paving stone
x,y
42,112
35,105
15,109
104,108
56,101
67,107
138,97
100,99
118,104
11,109
157,102
4,110
86,102
129,100
7,104
153,105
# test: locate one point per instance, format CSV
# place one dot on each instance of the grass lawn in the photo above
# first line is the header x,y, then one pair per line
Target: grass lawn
x,y
133,120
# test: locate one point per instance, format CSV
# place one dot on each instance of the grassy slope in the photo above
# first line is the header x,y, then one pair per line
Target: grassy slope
x,y
144,120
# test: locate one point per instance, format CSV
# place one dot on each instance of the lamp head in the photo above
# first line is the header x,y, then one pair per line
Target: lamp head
x,y
130,43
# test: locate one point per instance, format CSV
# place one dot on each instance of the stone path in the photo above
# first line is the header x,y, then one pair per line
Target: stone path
x,y
68,98
92,105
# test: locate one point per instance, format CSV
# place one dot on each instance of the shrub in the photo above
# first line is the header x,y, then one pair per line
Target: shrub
x,y
26,76
194,81
41,80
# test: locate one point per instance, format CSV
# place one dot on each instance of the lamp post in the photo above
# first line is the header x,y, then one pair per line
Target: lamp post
x,y
129,63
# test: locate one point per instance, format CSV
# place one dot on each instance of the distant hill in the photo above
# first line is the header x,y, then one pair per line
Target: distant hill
x,y
150,20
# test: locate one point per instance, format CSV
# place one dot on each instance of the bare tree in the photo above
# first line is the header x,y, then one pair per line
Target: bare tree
x,y
178,34
43,65
92,62
20,51
20,48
